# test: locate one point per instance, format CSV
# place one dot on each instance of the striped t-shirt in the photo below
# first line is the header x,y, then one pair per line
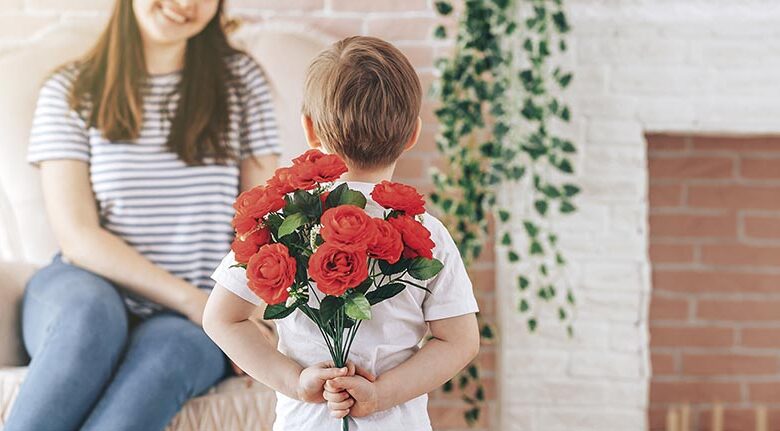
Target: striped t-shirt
x,y
177,216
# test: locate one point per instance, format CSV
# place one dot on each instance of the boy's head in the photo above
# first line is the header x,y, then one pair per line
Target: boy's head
x,y
362,101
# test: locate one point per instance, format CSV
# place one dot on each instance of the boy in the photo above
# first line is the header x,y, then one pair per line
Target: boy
x,y
361,101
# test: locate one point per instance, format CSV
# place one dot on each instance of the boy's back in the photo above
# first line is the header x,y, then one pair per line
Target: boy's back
x,y
392,336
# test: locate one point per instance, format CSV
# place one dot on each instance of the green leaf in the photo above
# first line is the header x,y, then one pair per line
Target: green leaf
x,y
352,197
541,207
357,306
565,80
561,313
278,311
522,282
570,190
536,248
334,197
394,268
486,332
365,285
503,215
448,386
506,239
304,202
530,228
384,292
523,307
272,222
565,166
568,147
513,257
473,372
440,32
443,7
567,207
423,268
291,223
329,306
532,324
570,297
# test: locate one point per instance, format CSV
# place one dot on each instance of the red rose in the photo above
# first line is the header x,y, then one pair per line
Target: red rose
x,y
348,226
335,269
399,197
387,243
253,205
282,181
270,272
416,238
246,247
310,156
314,167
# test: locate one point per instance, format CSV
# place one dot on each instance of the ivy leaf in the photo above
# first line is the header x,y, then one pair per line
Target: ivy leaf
x,y
329,306
568,147
440,32
513,257
523,307
291,223
559,19
423,268
384,292
522,282
443,7
565,80
561,314
486,332
566,114
448,385
506,239
541,207
567,207
570,190
570,297
565,166
357,306
532,324
536,248
530,228
278,311
503,215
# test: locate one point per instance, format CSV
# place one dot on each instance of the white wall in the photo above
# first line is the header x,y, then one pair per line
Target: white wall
x,y
639,65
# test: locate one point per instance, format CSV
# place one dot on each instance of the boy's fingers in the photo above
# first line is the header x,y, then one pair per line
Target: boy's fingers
x,y
351,368
368,375
331,373
335,396
341,405
338,414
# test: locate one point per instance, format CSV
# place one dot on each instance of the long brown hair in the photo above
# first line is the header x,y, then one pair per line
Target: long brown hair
x,y
110,75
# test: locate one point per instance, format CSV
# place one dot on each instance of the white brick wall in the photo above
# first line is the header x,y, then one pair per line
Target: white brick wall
x,y
640,65
643,65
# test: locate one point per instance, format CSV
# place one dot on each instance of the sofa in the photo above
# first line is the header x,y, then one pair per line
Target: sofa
x,y
26,240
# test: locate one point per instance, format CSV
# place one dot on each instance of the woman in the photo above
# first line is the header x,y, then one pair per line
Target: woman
x,y
143,145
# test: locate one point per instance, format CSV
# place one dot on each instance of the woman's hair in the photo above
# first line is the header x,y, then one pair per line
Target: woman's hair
x,y
111,74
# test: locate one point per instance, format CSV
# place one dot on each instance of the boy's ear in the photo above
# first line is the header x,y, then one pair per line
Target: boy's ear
x,y
308,131
415,136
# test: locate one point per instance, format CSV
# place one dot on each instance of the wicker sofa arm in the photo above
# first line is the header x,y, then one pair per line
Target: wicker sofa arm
x,y
13,277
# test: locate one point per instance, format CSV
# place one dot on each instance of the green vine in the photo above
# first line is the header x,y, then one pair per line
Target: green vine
x,y
499,96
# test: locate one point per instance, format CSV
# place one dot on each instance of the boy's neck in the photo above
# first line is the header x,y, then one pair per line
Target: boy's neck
x,y
373,176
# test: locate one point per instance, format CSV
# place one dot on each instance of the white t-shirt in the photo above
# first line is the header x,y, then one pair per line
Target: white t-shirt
x,y
392,336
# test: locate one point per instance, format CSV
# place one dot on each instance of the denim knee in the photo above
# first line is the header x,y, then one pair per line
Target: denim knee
x,y
72,303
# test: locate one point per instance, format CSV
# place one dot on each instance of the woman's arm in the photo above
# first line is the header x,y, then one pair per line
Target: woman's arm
x,y
73,215
257,170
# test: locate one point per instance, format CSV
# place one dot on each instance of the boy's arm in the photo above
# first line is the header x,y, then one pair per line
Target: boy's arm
x,y
226,321
454,344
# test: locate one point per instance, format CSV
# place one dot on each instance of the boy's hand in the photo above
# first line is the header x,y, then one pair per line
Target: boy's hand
x,y
351,395
312,380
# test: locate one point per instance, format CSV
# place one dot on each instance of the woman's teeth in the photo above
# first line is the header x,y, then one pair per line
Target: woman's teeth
x,y
173,15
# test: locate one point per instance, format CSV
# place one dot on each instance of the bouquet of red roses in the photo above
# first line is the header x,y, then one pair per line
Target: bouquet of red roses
x,y
301,228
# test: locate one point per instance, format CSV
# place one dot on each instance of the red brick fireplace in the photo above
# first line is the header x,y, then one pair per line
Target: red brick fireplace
x,y
715,255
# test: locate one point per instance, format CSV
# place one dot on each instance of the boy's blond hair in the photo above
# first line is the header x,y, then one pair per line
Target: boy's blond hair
x,y
363,97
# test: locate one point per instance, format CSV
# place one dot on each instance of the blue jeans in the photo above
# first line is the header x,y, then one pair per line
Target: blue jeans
x,y
94,369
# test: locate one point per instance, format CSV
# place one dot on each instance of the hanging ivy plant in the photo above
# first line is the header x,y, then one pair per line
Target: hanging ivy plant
x,y
499,96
